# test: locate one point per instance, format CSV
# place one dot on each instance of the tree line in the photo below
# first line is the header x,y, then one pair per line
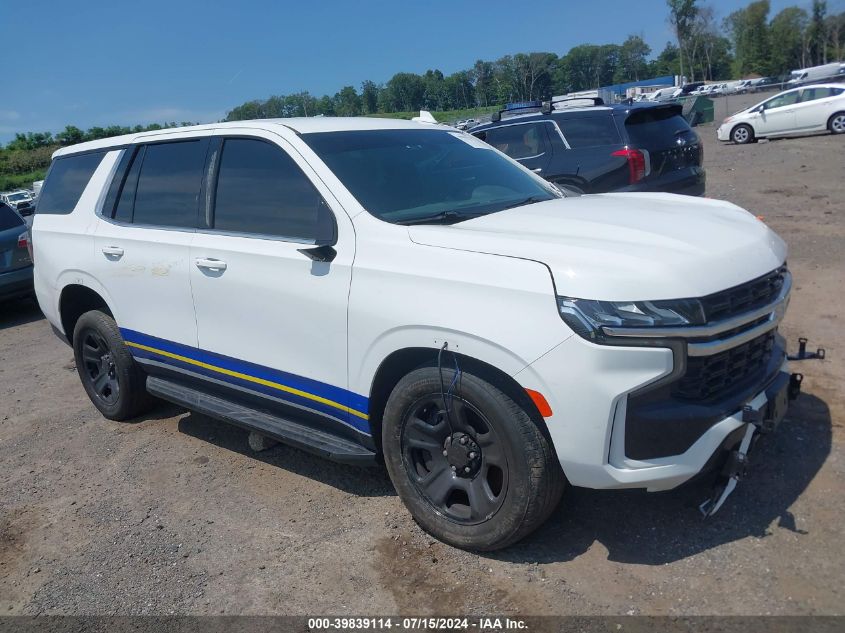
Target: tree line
x,y
26,156
746,42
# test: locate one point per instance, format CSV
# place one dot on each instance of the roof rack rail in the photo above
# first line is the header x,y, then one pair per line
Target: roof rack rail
x,y
513,107
548,106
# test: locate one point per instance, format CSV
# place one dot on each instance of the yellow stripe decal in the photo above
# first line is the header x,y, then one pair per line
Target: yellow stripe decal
x,y
260,381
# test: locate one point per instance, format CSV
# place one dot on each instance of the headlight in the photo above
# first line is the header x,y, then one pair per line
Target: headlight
x,y
586,317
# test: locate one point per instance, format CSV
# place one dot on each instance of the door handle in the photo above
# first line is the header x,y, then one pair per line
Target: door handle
x,y
537,170
209,263
114,251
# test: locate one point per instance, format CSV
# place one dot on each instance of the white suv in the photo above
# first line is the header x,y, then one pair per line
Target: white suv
x,y
379,289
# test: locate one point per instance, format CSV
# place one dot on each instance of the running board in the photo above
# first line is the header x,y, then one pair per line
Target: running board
x,y
292,433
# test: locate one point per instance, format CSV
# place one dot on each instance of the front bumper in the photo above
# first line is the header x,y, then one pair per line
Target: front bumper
x,y
588,386
723,133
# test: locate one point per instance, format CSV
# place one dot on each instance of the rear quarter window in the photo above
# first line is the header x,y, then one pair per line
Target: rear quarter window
x,y
656,128
589,131
65,182
8,218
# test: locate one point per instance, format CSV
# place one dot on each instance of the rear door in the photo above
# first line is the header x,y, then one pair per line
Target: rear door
x,y
815,106
142,243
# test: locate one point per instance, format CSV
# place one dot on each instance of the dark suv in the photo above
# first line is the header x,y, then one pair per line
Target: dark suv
x,y
599,148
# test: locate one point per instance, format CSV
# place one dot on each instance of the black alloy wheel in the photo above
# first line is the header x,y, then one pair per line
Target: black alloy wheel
x,y
99,369
460,469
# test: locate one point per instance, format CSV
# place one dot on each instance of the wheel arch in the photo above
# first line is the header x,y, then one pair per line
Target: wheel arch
x,y
402,361
75,300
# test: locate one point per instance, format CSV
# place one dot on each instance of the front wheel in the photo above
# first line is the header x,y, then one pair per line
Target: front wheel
x,y
742,134
837,123
109,374
477,471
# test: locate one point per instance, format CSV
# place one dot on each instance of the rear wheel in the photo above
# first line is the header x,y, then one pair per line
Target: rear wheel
x,y
480,475
742,134
836,124
109,374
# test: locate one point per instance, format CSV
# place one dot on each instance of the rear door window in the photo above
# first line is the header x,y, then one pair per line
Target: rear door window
x,y
261,190
589,131
128,185
65,182
811,94
657,128
520,142
169,184
8,218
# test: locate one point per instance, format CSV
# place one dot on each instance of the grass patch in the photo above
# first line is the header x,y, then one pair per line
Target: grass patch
x,y
21,181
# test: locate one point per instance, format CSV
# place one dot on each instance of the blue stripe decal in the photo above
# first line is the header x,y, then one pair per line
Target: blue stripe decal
x,y
339,403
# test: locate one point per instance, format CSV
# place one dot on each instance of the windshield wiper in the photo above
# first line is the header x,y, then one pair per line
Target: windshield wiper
x,y
444,217
528,200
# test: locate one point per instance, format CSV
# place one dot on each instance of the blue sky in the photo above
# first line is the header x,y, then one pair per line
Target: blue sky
x,y
118,62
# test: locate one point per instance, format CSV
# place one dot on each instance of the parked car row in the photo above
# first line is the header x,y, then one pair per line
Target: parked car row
x,y
373,289
15,259
812,108
22,201
599,148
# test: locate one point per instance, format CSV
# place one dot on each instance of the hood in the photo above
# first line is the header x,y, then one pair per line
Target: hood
x,y
624,246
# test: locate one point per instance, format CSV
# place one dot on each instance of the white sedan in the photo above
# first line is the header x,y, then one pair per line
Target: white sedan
x,y
806,109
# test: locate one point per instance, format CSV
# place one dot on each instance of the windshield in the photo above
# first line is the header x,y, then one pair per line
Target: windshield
x,y
18,196
416,176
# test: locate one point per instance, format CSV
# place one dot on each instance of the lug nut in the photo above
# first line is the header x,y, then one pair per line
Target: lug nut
x,y
454,468
467,469
445,453
464,439
472,455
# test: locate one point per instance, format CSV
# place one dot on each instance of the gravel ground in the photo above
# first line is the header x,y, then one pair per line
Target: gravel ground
x,y
174,514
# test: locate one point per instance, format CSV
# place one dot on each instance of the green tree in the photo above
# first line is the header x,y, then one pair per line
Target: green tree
x,y
591,66
405,92
369,96
749,31
482,75
817,33
668,62
682,15
70,135
633,59
347,102
788,31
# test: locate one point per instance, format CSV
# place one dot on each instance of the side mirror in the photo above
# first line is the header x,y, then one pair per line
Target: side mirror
x,y
323,253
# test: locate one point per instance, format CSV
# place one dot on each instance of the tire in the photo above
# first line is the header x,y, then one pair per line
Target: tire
x,y
836,123
742,134
112,379
507,479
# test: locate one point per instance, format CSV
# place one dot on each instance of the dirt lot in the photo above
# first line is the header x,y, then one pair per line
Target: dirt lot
x,y
174,514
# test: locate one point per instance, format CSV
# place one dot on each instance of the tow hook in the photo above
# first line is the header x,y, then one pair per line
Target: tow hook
x,y
736,468
794,388
803,354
